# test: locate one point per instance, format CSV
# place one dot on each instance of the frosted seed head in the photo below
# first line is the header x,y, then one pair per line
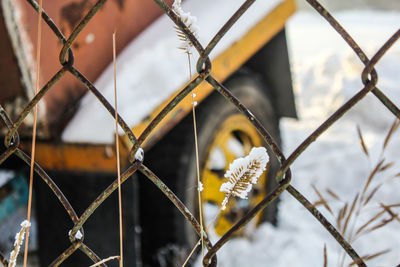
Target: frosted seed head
x,y
243,173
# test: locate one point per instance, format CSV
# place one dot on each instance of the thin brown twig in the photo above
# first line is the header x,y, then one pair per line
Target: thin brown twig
x,y
39,37
198,173
106,260
3,260
121,237
198,242
325,257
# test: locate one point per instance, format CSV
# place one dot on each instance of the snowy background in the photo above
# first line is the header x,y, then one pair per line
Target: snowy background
x,y
327,73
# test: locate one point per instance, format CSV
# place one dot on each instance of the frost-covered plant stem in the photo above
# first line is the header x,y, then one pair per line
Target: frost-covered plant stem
x,y
190,22
243,173
19,238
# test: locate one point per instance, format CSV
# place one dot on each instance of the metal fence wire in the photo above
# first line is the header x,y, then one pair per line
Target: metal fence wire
x,y
369,78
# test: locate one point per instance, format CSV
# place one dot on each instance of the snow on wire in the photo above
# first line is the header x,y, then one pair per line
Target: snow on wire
x,y
243,173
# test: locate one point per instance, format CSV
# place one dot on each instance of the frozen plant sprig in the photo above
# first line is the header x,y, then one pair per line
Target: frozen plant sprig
x,y
243,173
200,187
19,238
190,22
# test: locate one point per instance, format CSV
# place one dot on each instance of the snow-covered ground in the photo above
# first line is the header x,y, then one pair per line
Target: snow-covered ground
x,y
326,74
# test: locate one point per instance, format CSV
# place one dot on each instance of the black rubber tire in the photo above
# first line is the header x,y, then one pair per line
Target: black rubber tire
x,y
167,237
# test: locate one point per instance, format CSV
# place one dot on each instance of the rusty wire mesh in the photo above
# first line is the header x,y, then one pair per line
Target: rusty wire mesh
x,y
369,78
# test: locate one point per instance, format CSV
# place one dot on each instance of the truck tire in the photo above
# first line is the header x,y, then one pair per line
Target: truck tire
x,y
223,135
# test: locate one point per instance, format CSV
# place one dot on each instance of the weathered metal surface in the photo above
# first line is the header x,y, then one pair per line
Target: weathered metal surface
x,y
79,158
9,73
129,18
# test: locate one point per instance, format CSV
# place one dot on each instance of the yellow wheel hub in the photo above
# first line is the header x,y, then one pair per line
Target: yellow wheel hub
x,y
234,138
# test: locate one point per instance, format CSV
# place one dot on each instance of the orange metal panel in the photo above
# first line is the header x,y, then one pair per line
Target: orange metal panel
x,y
80,158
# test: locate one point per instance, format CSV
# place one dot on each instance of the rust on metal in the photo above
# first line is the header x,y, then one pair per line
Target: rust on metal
x,y
79,158
181,207
103,196
9,72
129,18
68,252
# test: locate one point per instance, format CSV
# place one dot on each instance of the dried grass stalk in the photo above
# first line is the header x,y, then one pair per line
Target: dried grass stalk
x,y
370,257
353,205
322,200
341,215
372,175
393,129
362,143
325,257
382,224
373,219
386,166
371,195
333,194
105,260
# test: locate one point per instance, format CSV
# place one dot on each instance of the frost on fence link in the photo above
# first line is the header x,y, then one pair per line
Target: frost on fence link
x,y
243,173
78,235
139,155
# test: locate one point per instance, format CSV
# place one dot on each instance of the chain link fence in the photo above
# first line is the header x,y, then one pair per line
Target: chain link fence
x,y
369,78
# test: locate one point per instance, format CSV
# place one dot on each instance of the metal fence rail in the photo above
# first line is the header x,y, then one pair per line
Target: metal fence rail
x,y
369,77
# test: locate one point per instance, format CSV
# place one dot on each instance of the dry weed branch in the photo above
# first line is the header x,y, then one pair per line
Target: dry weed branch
x,y
347,216
106,260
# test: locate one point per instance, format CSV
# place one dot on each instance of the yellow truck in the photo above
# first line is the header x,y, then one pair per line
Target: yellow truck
x,y
75,143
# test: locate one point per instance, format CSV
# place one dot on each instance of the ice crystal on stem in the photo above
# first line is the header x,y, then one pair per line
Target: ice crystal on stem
x,y
19,238
200,186
243,173
190,22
